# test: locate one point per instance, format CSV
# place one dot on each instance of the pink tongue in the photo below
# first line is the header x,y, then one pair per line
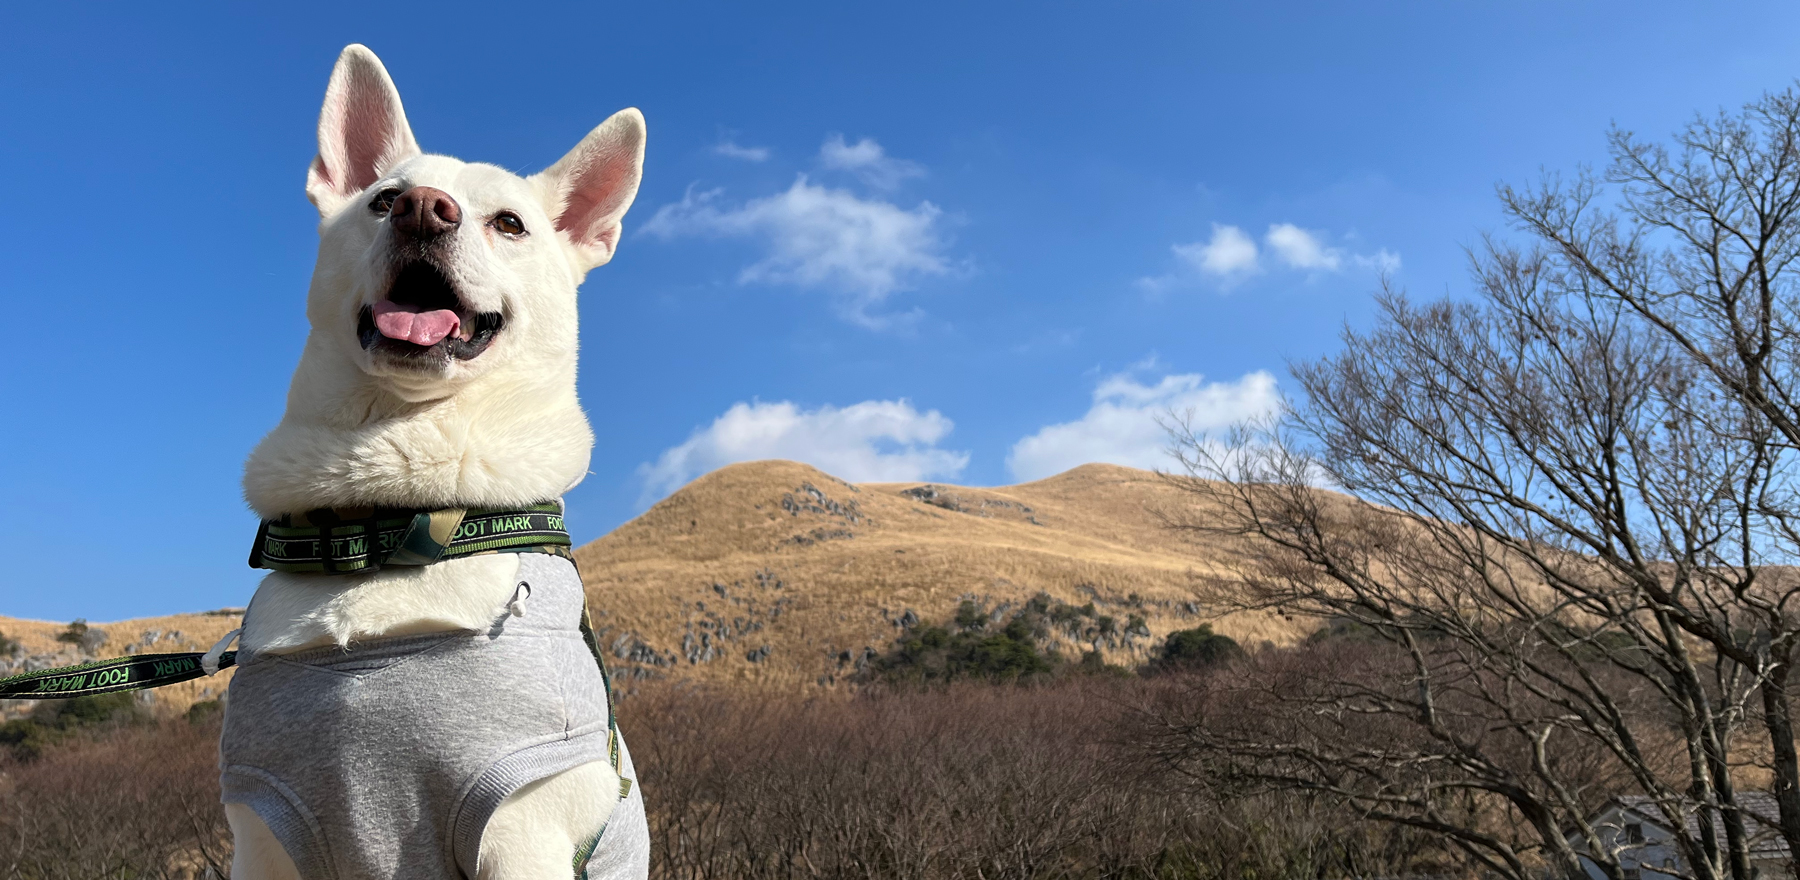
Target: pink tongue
x,y
396,321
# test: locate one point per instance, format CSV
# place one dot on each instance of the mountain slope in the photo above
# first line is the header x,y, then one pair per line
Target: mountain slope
x,y
778,573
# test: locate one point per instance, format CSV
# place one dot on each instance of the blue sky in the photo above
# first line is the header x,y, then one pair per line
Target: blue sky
x,y
918,241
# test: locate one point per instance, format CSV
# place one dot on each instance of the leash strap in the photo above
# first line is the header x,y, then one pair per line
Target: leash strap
x,y
132,673
364,540
612,707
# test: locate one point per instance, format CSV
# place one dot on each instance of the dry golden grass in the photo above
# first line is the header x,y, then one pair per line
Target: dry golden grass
x,y
747,557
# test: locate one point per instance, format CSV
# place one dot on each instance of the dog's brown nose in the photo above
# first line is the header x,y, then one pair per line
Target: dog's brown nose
x,y
425,212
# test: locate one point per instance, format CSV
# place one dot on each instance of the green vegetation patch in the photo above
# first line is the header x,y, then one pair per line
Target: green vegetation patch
x,y
1197,648
55,720
977,646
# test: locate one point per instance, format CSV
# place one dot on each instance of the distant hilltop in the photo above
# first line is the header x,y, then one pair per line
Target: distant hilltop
x,y
777,574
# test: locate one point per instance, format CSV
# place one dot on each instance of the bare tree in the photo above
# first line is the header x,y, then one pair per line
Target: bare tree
x,y
1575,523
1701,247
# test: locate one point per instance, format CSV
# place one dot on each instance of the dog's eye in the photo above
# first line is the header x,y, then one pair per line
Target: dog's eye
x,y
384,200
509,223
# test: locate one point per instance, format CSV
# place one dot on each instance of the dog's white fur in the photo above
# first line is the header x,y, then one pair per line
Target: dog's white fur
x,y
502,428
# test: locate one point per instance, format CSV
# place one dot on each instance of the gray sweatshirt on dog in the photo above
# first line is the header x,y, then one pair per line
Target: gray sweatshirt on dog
x,y
388,759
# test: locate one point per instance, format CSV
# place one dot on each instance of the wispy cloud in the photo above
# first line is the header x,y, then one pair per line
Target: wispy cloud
x,y
731,149
1125,424
868,161
859,250
876,440
1383,261
1230,255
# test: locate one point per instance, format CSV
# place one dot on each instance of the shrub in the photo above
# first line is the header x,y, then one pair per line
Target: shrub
x,y
205,711
79,634
972,649
54,720
1197,648
74,632
1091,663
935,654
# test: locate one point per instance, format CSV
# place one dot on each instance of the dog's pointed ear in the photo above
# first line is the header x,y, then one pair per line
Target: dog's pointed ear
x,y
362,130
589,190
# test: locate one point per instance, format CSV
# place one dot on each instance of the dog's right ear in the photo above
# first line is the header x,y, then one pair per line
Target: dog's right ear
x,y
592,187
362,130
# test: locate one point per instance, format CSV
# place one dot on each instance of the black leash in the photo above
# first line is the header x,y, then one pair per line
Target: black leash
x,y
132,673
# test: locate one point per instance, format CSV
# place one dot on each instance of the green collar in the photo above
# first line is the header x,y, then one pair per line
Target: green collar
x,y
349,541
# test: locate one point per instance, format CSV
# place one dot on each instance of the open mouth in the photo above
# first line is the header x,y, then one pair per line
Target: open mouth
x,y
422,317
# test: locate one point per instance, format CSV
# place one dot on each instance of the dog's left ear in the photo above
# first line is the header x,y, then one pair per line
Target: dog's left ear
x,y
362,130
589,190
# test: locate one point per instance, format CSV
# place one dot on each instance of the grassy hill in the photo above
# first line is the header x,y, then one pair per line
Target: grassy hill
x,y
776,574
779,574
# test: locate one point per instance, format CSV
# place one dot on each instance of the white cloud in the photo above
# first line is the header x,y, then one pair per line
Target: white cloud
x,y
1383,261
1228,253
1125,424
860,250
730,149
1302,250
1231,255
868,161
876,440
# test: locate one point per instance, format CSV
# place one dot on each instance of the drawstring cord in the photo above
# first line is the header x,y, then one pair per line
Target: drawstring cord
x,y
520,593
210,662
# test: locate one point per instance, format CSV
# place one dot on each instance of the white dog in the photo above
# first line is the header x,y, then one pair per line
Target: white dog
x,y
439,373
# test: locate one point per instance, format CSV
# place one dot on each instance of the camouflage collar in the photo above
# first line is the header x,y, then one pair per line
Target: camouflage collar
x,y
349,541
